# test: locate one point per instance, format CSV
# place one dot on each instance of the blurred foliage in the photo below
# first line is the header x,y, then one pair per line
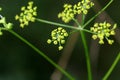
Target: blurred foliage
x,y
19,62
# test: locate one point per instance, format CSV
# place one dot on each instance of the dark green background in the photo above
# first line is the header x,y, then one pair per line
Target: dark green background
x,y
19,62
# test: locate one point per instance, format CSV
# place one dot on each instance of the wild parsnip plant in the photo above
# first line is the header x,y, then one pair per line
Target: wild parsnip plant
x,y
101,31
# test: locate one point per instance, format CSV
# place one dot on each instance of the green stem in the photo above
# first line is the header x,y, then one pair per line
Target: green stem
x,y
86,51
97,14
85,30
57,24
77,23
112,67
87,56
84,40
83,20
67,26
42,54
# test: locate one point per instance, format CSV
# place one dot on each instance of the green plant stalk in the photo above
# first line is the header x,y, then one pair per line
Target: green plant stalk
x,y
87,56
42,54
88,31
57,24
85,30
77,23
86,50
112,67
103,9
84,40
83,20
66,26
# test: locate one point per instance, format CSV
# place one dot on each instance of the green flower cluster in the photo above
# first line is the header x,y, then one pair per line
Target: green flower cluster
x,y
5,25
58,37
28,14
70,11
103,30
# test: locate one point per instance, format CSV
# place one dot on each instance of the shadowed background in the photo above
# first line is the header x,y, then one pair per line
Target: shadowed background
x,y
19,62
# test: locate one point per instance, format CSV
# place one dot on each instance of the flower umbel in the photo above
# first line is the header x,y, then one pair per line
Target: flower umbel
x,y
27,15
103,30
58,37
70,11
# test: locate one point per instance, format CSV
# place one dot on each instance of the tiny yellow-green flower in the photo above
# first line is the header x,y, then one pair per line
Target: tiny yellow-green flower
x,y
60,47
49,41
1,33
110,42
94,36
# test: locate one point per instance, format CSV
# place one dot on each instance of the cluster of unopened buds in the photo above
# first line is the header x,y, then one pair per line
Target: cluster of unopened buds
x,y
58,37
27,15
70,11
103,30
